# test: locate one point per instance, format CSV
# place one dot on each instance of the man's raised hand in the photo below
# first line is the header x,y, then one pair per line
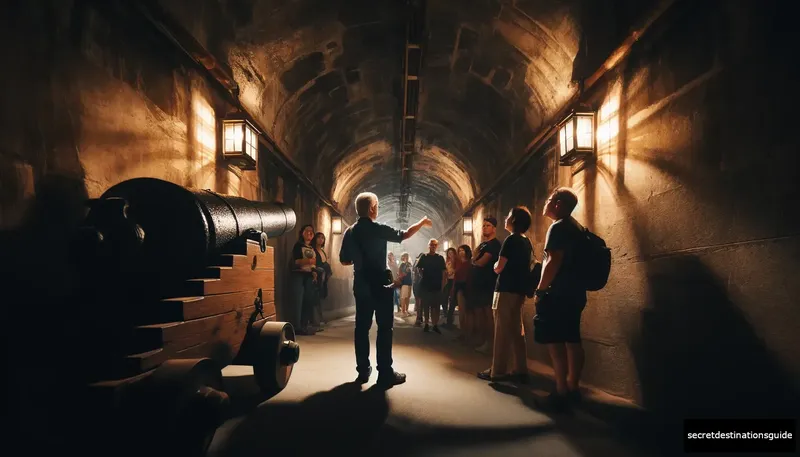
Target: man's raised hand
x,y
426,222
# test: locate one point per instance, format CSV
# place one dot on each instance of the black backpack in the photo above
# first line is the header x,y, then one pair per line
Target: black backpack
x,y
534,274
593,261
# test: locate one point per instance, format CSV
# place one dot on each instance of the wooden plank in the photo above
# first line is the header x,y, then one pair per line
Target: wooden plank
x,y
254,259
188,308
229,281
208,349
181,335
139,363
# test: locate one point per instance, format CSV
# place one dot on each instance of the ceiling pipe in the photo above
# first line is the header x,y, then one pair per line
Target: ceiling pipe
x,y
185,41
551,128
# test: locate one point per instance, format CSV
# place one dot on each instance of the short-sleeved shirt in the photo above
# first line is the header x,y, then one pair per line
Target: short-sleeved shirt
x,y
484,278
564,235
515,275
364,244
302,251
433,266
405,269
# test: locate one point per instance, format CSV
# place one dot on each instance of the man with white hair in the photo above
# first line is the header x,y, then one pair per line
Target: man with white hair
x,y
364,247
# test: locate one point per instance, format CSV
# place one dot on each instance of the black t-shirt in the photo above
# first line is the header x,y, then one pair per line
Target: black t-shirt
x,y
564,235
484,277
433,267
302,251
514,277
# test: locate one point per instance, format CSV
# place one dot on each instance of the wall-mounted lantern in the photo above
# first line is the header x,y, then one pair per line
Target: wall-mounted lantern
x,y
240,145
445,246
336,225
467,225
576,137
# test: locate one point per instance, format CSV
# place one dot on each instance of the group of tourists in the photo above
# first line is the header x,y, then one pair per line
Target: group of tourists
x,y
488,286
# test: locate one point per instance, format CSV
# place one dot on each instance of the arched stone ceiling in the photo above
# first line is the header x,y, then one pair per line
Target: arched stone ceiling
x,y
325,78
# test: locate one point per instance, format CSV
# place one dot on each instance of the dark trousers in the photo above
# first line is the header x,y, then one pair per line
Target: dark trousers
x,y
373,299
448,304
301,302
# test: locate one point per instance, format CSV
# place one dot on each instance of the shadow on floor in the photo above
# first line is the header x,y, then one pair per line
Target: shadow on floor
x,y
589,426
347,420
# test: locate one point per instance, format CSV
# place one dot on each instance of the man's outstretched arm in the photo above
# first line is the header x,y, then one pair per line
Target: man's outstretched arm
x,y
411,231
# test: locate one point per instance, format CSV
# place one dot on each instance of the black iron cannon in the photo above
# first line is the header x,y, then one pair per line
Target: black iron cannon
x,y
178,284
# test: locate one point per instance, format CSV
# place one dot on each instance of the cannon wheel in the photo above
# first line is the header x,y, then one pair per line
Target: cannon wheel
x,y
275,356
188,404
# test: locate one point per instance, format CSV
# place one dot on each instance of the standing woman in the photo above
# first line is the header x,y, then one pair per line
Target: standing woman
x,y
462,278
323,273
448,304
301,282
405,281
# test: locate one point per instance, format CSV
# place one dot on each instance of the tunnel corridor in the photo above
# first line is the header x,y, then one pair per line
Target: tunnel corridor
x,y
454,110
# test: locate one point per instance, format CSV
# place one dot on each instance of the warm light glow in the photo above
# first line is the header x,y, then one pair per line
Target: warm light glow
x,y
445,246
584,132
336,225
204,126
467,225
608,128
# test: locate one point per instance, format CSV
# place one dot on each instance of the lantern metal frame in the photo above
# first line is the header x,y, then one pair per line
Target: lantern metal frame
x,y
249,142
337,225
569,149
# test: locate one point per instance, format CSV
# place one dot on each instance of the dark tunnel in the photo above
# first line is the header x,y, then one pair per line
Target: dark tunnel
x,y
450,109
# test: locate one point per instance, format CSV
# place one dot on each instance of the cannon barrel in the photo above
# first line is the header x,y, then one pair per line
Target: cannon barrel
x,y
173,228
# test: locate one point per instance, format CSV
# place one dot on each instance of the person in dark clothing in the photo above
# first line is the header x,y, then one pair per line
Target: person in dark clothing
x,y
559,298
448,302
483,283
434,279
322,272
364,247
509,357
301,281
417,290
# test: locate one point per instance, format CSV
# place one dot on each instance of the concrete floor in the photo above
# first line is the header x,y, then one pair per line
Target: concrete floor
x,y
442,410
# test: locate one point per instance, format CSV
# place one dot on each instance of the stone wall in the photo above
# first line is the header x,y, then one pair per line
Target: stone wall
x,y
693,189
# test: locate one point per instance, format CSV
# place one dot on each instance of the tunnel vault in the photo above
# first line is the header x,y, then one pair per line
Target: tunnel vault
x,y
326,79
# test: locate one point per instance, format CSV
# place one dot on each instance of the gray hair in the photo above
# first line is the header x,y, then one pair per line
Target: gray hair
x,y
365,201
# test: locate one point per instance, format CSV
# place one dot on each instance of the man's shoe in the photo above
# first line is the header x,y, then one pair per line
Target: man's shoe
x,y
555,402
574,397
436,329
392,379
427,328
363,376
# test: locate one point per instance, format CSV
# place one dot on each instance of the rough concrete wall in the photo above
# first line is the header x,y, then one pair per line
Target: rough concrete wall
x,y
692,190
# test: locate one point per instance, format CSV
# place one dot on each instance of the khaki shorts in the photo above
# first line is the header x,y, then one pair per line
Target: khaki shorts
x,y
405,292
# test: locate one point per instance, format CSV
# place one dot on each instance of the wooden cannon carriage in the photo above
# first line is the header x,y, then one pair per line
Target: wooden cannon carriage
x,y
177,284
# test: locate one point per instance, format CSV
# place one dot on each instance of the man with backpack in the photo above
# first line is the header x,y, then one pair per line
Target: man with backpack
x,y
561,296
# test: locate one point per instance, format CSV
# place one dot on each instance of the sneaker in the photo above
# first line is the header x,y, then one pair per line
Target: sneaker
x,y
436,329
392,379
363,375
